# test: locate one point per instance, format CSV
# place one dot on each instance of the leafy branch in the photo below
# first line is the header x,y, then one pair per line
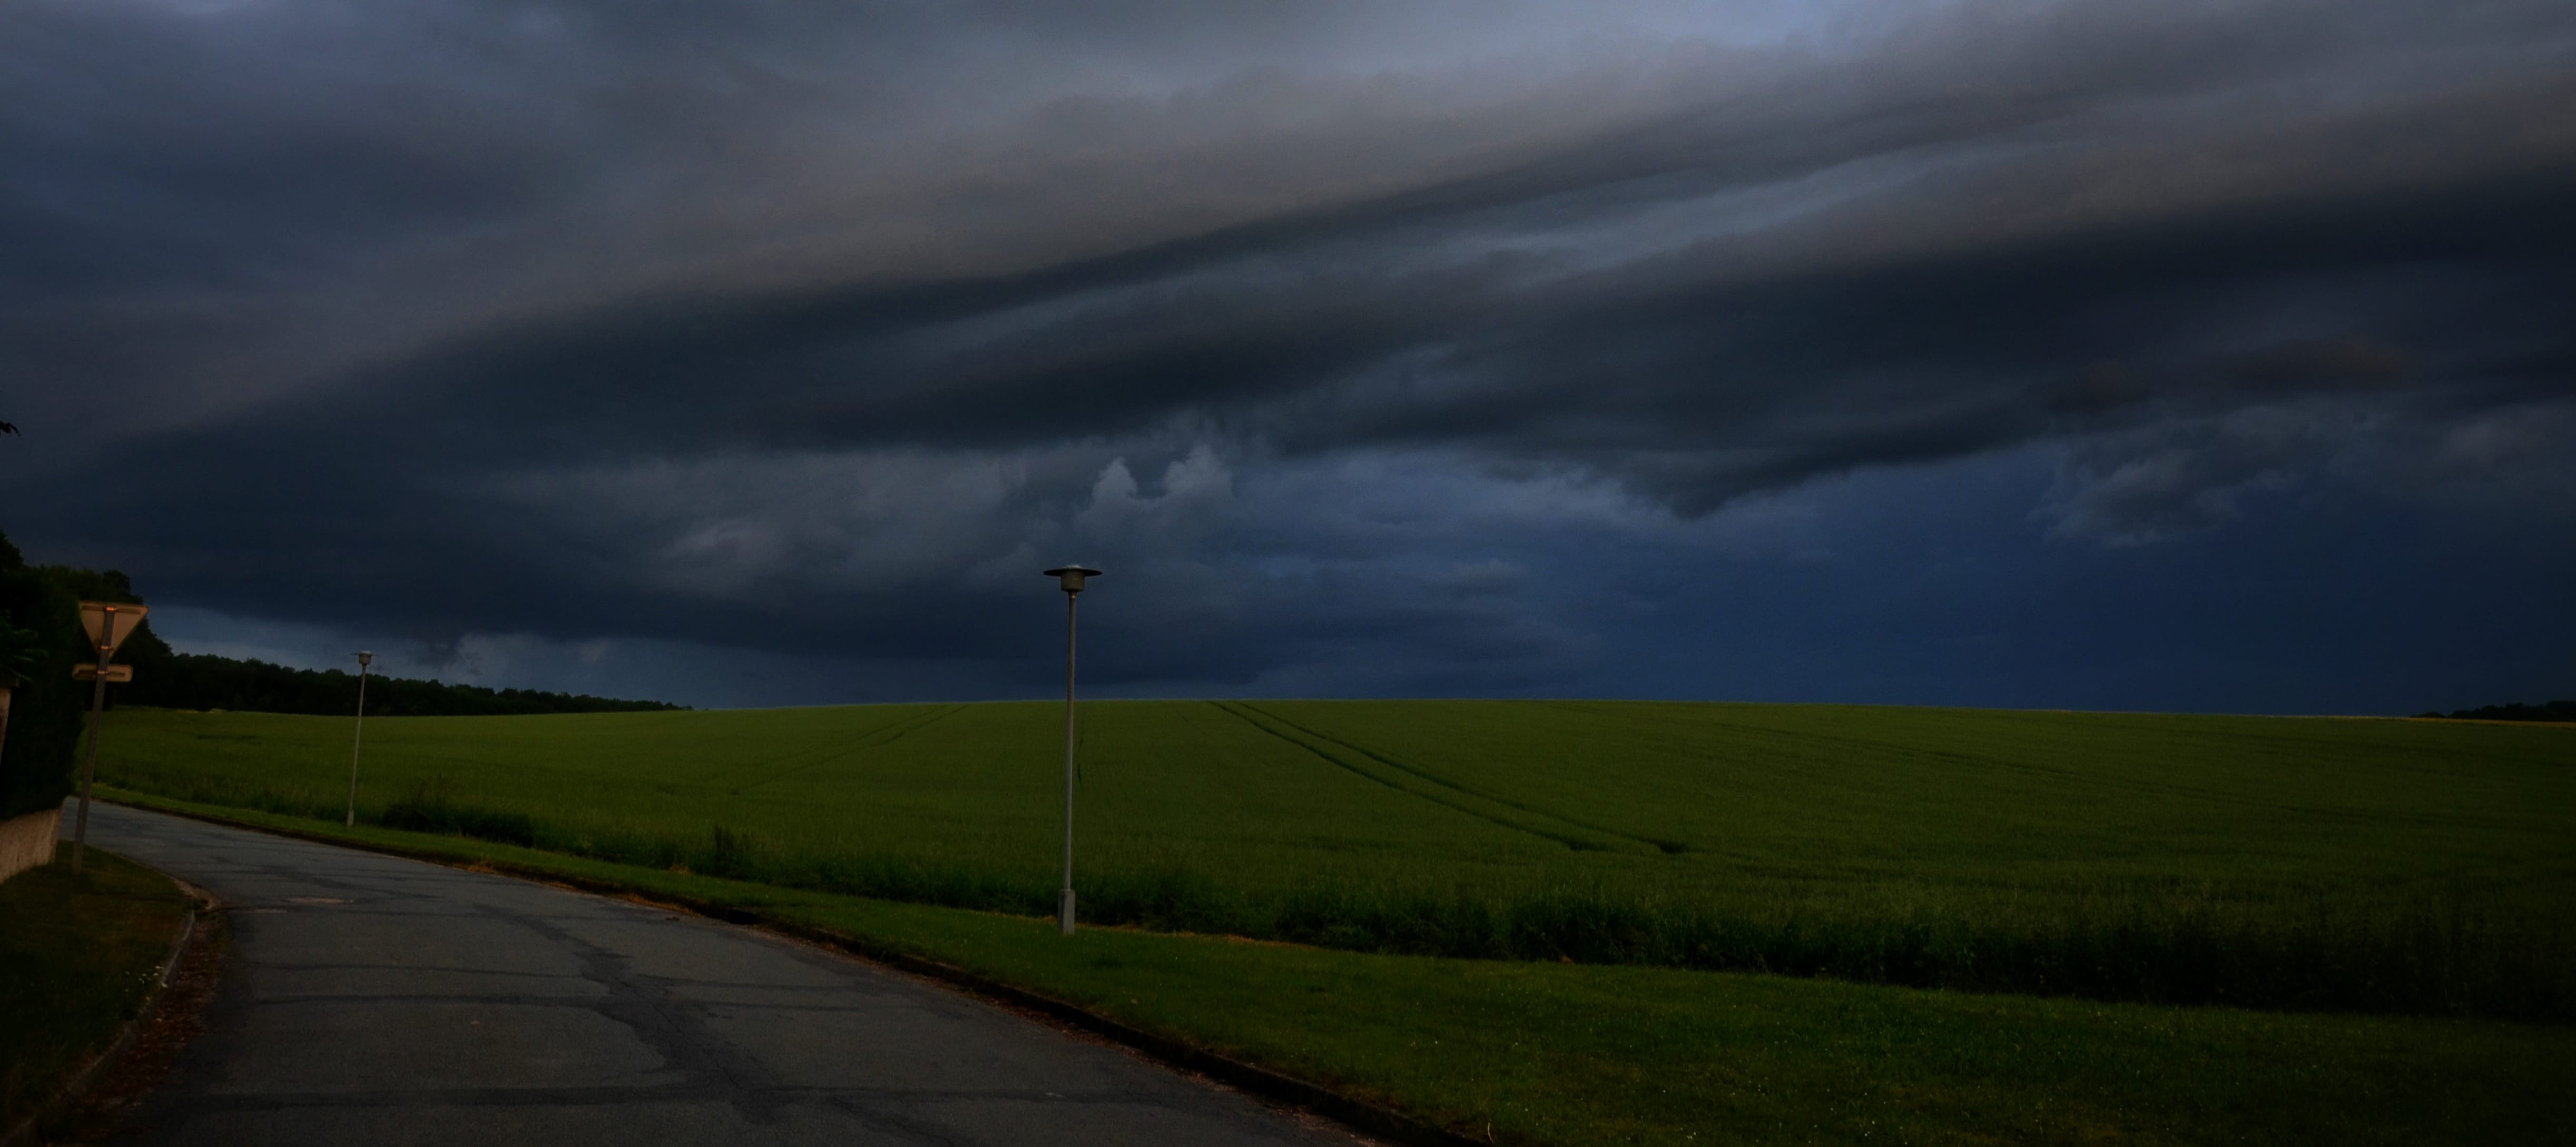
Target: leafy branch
x,y
22,653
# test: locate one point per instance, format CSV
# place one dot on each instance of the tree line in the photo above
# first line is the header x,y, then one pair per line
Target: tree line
x,y
41,639
205,681
2545,711
167,679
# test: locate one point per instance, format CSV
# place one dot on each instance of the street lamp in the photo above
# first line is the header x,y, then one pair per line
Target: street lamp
x,y
109,623
1070,578
349,819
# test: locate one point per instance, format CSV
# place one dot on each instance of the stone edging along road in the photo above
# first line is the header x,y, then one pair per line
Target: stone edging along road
x,y
1372,1119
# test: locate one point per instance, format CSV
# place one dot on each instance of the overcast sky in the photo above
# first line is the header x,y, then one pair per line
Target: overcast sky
x,y
2152,356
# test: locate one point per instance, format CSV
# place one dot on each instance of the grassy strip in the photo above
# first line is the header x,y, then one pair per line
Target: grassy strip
x,y
1576,1054
77,959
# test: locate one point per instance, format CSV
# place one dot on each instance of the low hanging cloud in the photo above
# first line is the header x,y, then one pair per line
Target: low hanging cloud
x,y
810,327
2153,485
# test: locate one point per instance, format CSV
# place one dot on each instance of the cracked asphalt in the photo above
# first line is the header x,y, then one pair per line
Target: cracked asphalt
x,y
371,999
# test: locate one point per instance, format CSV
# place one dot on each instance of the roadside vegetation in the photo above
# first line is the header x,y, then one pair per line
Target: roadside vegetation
x,y
2382,866
78,957
40,641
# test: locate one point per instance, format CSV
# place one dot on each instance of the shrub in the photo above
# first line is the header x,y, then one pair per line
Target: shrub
x,y
39,761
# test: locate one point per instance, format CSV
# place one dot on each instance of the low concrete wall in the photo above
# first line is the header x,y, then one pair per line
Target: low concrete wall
x,y
27,841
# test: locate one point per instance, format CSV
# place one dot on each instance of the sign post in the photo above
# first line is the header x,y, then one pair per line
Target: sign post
x,y
109,623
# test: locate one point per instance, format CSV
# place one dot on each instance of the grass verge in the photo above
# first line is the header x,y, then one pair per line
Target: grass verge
x,y
1574,1054
78,955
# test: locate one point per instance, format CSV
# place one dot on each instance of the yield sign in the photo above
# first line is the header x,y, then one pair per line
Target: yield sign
x,y
110,622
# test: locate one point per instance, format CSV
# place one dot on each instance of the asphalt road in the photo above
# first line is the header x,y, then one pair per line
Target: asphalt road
x,y
370,999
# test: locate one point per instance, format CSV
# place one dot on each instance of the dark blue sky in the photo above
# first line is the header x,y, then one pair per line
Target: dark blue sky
x,y
2204,356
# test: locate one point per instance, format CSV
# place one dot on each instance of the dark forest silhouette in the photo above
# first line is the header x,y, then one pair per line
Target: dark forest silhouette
x,y
2546,711
166,678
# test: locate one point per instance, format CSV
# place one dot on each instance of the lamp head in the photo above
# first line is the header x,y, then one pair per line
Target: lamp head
x,y
365,658
1070,577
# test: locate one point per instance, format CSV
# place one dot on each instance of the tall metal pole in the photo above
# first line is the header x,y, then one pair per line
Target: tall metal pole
x,y
1064,903
349,819
89,768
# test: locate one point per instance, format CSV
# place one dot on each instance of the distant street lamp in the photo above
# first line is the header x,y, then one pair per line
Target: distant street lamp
x,y
109,623
350,819
1070,578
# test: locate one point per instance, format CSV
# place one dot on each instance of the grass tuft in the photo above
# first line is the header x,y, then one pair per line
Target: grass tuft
x,y
433,807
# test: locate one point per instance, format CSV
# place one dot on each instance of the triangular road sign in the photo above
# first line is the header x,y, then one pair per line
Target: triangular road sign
x,y
110,622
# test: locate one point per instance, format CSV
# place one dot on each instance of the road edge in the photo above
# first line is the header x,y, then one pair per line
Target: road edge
x,y
1360,1115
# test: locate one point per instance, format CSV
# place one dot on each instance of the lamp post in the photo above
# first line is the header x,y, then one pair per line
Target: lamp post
x,y
109,623
358,737
1070,579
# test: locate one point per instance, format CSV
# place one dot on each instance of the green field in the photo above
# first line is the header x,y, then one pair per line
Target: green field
x,y
2335,864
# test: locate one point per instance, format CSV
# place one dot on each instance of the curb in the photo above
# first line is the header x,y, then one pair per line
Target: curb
x,y
24,1133
1383,1122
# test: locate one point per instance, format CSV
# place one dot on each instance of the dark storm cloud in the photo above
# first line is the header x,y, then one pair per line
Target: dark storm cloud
x,y
691,322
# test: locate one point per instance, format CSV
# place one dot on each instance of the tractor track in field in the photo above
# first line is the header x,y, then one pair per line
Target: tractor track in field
x,y
1272,724
1533,810
875,739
